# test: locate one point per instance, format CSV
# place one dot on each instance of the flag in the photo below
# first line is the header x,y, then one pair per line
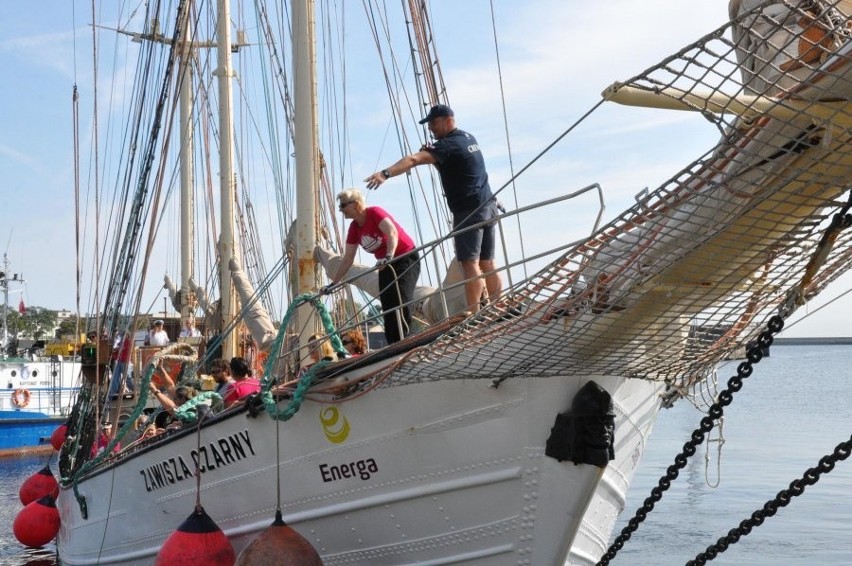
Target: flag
x,y
22,307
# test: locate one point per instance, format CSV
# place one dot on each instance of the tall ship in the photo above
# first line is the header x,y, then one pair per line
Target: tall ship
x,y
507,434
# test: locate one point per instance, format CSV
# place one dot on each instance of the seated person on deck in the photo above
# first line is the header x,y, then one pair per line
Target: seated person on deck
x,y
353,341
244,384
170,402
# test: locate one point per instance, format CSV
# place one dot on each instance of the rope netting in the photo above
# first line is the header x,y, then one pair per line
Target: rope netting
x,y
693,270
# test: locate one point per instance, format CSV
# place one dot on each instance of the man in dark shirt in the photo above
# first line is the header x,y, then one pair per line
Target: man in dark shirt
x,y
459,161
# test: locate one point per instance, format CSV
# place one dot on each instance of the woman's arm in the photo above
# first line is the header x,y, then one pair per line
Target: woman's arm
x,y
388,229
166,378
164,399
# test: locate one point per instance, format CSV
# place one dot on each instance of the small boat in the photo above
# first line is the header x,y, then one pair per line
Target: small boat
x,y
505,436
38,388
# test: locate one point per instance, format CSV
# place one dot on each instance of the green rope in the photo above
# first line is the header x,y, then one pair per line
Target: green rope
x,y
80,415
186,413
307,379
107,451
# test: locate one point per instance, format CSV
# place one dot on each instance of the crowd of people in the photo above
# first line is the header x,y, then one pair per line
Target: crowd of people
x,y
234,382
231,380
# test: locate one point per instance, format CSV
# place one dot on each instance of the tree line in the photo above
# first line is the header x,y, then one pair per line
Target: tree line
x,y
39,324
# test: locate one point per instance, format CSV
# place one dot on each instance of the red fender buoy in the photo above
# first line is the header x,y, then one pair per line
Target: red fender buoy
x,y
37,486
38,523
279,544
198,540
58,436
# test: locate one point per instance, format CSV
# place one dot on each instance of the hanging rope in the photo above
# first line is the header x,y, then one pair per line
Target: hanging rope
x,y
307,379
506,131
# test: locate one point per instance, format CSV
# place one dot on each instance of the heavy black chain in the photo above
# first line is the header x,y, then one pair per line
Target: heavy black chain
x,y
797,487
754,353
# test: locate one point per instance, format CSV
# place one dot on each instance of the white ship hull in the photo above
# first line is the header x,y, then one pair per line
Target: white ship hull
x,y
433,473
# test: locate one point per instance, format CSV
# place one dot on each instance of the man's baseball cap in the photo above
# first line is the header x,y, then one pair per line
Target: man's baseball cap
x,y
437,111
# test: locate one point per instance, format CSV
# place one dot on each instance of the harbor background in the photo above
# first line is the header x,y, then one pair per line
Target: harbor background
x,y
792,411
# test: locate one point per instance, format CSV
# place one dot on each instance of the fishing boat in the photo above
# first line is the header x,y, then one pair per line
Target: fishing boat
x,y
39,388
509,435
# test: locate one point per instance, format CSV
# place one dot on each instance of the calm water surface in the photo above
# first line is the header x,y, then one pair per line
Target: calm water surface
x,y
794,409
14,472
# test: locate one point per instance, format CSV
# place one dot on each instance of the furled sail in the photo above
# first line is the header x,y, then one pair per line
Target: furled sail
x,y
256,319
428,301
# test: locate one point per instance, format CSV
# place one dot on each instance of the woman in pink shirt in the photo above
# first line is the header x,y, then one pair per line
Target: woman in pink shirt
x,y
244,384
377,232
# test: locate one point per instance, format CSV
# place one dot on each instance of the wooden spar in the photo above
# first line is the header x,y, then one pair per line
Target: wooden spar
x,y
187,258
307,170
747,106
227,243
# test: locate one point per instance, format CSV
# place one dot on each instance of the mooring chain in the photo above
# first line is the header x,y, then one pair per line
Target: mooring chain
x,y
797,487
754,353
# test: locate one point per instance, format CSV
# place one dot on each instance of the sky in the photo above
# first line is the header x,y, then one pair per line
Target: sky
x,y
556,56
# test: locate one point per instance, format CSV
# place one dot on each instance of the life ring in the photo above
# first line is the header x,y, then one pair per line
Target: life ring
x,y
21,398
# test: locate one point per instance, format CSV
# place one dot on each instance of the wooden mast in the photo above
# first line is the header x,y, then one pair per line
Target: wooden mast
x,y
307,162
187,207
227,241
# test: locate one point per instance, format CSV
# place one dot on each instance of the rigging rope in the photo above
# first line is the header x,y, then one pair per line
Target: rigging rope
x,y
508,140
120,282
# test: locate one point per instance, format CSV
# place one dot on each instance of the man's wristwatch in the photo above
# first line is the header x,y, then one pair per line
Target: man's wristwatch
x,y
386,174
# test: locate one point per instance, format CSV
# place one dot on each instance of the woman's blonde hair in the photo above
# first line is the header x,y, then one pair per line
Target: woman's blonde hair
x,y
349,195
322,345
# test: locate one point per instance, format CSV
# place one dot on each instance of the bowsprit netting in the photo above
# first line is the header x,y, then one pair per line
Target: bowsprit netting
x,y
751,229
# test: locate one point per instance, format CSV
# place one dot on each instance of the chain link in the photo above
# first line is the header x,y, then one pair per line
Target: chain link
x,y
797,487
754,353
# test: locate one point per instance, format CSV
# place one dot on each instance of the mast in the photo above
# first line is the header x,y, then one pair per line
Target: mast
x,y
227,243
187,207
307,170
4,283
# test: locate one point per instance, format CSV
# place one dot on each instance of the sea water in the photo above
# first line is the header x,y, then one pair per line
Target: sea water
x,y
794,409
14,472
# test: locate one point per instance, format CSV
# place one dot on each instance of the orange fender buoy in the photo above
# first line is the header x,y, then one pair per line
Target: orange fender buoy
x,y
198,540
38,523
57,439
21,398
279,544
37,486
